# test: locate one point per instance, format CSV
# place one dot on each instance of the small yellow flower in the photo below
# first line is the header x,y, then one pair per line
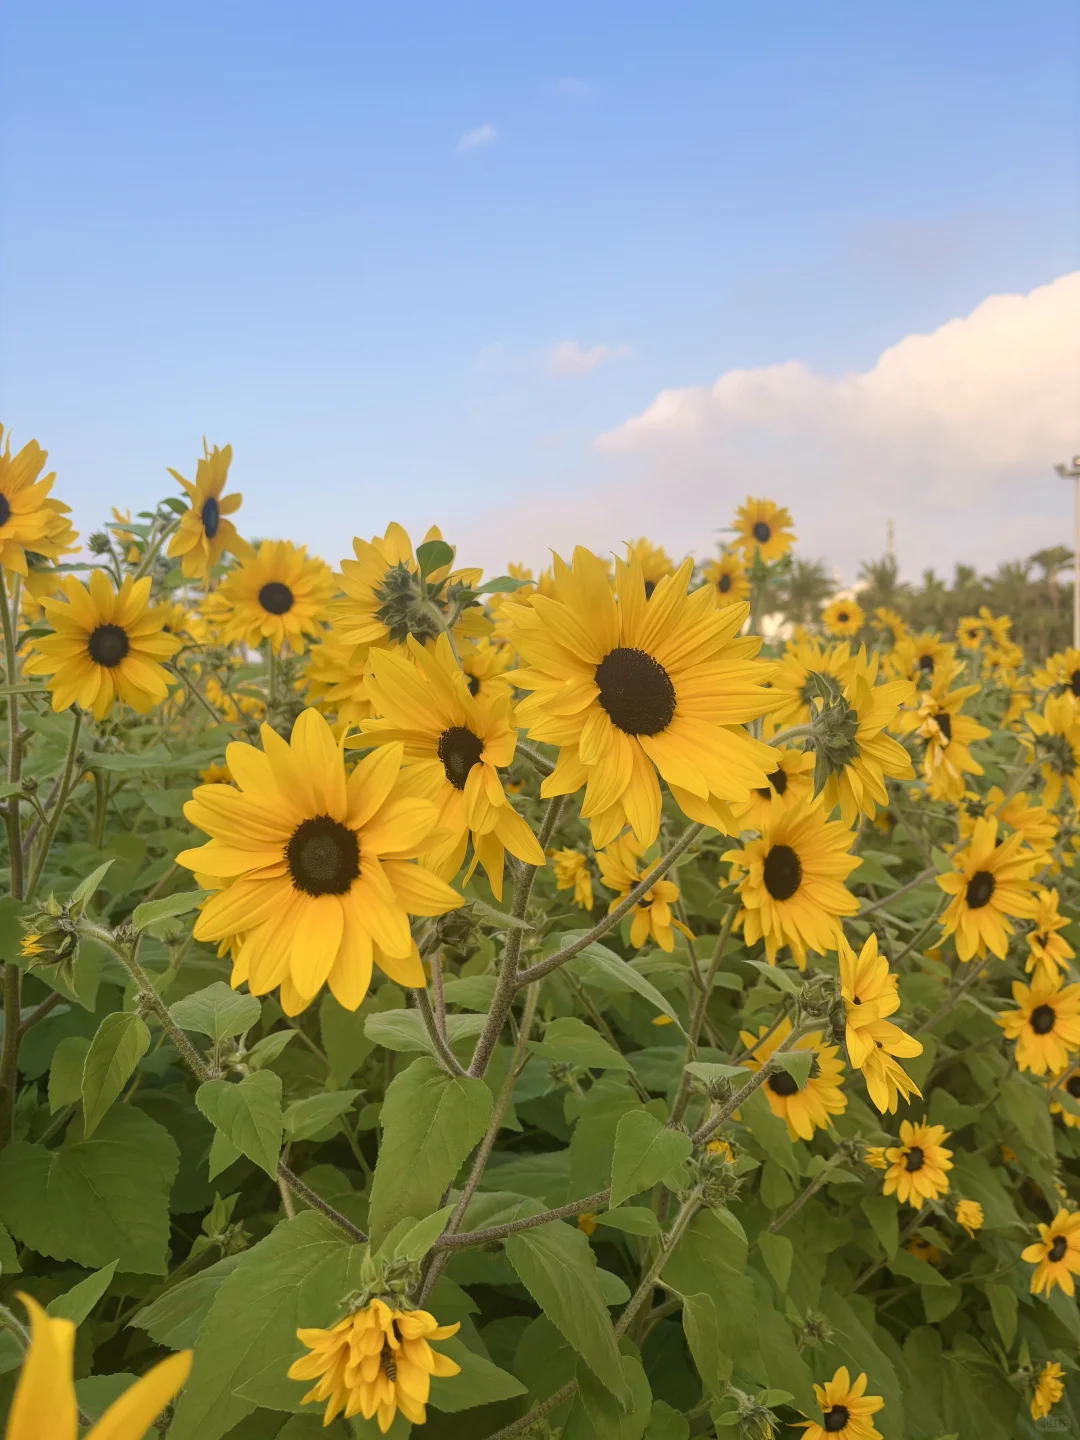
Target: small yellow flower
x,y
721,1148
586,1222
843,617
845,1410
918,1165
652,917
1049,1389
969,1215
216,775
572,872
1056,1254
875,1157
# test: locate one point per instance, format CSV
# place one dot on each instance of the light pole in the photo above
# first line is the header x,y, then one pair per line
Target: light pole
x,y
1072,472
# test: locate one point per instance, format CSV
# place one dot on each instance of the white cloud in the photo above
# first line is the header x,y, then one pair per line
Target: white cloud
x,y
570,358
952,434
479,139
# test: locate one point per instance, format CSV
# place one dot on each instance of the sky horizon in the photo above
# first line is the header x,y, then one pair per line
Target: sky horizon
x,y
583,275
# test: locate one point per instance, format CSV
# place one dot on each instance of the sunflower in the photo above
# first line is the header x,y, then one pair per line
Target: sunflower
x,y
793,681
969,1216
926,659
1049,1388
652,917
1045,1026
807,1107
629,686
789,784
1061,673
843,617
989,883
29,520
997,627
763,529
863,756
280,594
793,892
870,994
44,1406
727,577
654,561
892,622
312,868
455,745
918,1165
970,632
204,534
947,735
1049,952
374,1363
1069,1081
106,645
1056,1254
1034,823
333,681
571,870
845,1410
1054,739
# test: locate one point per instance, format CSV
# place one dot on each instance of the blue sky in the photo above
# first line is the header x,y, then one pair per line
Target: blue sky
x,y
258,222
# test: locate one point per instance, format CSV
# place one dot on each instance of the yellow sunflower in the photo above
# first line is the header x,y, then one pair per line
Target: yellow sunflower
x,y
727,577
455,745
997,627
926,659
1049,1388
793,891
870,994
652,917
312,867
374,1363
970,632
654,561
969,1216
946,734
843,617
1049,952
280,594
1061,673
869,757
1056,1254
792,682
988,883
892,622
627,686
29,520
204,533
1045,1025
791,783
807,1107
485,664
106,645
845,1410
1054,739
918,1166
571,870
1034,823
763,529
333,681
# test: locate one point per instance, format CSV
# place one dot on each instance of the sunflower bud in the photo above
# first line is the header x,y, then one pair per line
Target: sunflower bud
x,y
52,939
832,734
715,1175
98,543
750,1418
815,1331
819,998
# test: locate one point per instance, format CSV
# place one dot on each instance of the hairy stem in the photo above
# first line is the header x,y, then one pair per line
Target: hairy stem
x,y
446,1056
468,1238
60,804
536,1413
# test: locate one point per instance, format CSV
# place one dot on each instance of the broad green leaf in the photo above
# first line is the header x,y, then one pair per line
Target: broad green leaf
x,y
431,1121
66,1072
433,555
481,1382
782,979
405,1030
884,1215
645,1152
266,1051
175,1318
778,1252
86,890
499,585
75,1304
631,1219
223,1153
1004,1306
701,1326
9,1259
411,1240
597,1415
556,1265
305,1118
570,1041
598,960
707,1072
97,1199
120,1043
666,1423
248,1114
797,1064
296,1277
219,1012
150,912
911,1266
343,1039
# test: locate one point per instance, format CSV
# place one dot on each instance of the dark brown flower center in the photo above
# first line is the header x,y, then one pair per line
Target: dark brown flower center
x,y
323,856
1074,681
211,517
783,872
926,662
473,683
5,510
777,781
979,889
842,617
724,584
834,1420
943,720
276,598
914,1159
1057,1249
636,691
1072,1085
650,586
782,1083
108,645
761,532
1042,1019
459,751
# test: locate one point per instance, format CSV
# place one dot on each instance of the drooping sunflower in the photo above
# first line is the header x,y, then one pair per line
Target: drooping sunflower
x,y
312,868
627,686
969,1216
727,577
205,532
947,734
793,891
280,594
989,883
29,520
652,917
1049,952
1049,1388
1056,1254
571,870
807,1107
845,1410
865,756
1045,1024
843,617
763,529
374,1363
455,745
106,645
870,994
918,1166
44,1406
654,561
791,783
1054,739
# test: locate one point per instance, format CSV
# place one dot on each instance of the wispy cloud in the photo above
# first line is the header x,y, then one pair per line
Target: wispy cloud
x,y
482,138
570,358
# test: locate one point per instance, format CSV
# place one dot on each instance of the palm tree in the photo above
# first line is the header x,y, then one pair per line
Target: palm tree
x,y
807,588
883,584
1050,561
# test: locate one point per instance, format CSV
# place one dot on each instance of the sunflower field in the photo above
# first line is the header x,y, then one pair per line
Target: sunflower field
x,y
536,1006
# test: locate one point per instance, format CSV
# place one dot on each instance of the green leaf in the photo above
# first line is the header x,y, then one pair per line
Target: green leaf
x,y
431,1120
666,1423
481,1382
75,1304
411,1240
1004,1306
175,1318
219,1012
631,1219
570,1041
296,1277
708,1072
405,1030
645,1153
500,585
778,1252
914,1268
598,960
596,1415
701,1326
797,1064
305,1118
433,555
247,1114
66,1072
9,1259
775,976
85,891
556,1265
94,1200
265,1051
120,1043
152,911
343,1039
884,1215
